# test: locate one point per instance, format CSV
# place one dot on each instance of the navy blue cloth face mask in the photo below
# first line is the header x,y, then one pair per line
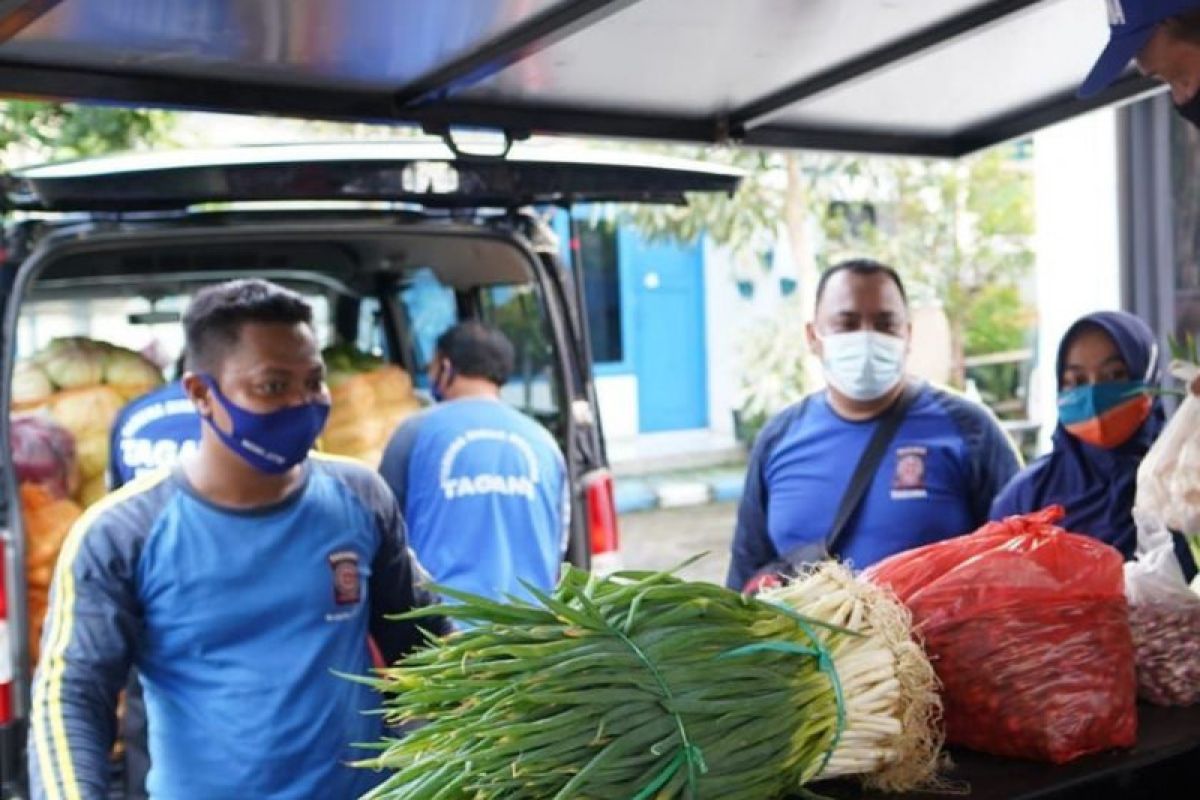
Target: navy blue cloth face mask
x,y
443,378
273,442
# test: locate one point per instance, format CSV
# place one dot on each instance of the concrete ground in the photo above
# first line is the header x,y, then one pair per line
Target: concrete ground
x,y
664,538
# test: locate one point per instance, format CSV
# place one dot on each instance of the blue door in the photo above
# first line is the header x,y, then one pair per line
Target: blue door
x,y
665,285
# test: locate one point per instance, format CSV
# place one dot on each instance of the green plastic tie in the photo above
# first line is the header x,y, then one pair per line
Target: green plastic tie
x,y
824,663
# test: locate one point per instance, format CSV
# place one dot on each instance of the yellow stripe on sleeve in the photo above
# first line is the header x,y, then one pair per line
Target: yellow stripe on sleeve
x,y
48,693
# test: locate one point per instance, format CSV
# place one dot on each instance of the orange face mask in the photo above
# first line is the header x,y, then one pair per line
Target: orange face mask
x,y
1105,414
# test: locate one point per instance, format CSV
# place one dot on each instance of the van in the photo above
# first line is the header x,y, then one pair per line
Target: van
x,y
391,243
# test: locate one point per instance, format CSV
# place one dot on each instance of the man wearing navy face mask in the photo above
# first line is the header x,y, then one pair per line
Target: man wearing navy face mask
x,y
238,583
876,463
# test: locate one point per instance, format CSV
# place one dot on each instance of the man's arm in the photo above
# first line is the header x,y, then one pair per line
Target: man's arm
x,y
752,546
994,463
398,585
87,648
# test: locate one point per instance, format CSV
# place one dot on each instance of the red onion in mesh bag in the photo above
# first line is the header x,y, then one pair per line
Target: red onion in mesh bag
x,y
1166,641
44,453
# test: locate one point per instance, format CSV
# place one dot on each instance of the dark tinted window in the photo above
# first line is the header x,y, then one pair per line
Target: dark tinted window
x,y
602,286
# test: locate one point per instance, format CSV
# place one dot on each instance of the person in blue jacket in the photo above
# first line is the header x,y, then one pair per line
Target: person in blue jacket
x,y
483,487
941,471
239,582
152,431
1107,366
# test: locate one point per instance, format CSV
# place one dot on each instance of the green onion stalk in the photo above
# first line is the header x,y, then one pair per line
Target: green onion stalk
x,y
635,685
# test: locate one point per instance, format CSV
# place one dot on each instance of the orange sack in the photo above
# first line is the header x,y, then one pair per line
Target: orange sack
x,y
1028,630
47,521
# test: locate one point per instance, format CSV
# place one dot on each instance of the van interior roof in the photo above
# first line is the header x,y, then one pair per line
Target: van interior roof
x,y
347,258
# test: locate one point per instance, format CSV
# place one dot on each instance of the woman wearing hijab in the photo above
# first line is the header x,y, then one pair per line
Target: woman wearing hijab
x,y
1108,368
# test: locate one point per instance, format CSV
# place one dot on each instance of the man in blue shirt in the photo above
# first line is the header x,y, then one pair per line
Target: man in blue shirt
x,y
238,582
152,431
483,487
946,462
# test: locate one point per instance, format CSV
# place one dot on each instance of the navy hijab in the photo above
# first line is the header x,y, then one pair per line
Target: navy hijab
x,y
1094,485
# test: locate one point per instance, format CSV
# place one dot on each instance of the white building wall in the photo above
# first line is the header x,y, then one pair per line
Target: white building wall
x,y
723,317
618,399
1077,240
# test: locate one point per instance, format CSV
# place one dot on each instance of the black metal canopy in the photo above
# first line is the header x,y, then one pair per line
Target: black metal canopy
x,y
922,77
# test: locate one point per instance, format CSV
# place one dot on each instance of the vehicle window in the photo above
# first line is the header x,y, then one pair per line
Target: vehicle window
x,y
602,288
432,309
371,338
517,311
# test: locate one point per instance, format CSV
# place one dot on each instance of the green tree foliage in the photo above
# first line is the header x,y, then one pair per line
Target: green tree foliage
x,y
959,231
1000,318
34,131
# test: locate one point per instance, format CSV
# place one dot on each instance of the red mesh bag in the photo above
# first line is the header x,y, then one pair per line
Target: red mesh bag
x,y
1028,630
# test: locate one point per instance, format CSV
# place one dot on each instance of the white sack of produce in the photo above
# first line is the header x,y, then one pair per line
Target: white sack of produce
x,y
72,362
1169,478
30,386
82,384
370,399
1165,619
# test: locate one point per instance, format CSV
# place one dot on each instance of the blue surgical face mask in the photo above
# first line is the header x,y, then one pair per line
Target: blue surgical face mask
x,y
273,442
863,365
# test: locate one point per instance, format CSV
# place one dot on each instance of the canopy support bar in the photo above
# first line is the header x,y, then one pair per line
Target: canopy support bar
x,y
502,52
17,15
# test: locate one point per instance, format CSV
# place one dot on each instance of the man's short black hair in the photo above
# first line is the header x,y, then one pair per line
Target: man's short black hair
x,y
476,350
215,316
861,266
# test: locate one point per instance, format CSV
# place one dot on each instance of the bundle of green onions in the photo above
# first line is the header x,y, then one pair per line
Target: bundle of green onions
x,y
893,735
637,685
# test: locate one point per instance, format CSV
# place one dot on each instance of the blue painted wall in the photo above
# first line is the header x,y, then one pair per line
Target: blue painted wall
x,y
663,327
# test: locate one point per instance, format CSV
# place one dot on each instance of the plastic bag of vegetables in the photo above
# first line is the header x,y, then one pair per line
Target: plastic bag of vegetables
x,y
370,399
1168,485
43,453
635,685
1028,628
1165,618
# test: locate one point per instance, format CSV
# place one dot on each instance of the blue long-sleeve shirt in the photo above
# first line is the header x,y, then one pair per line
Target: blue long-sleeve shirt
x,y
947,461
237,622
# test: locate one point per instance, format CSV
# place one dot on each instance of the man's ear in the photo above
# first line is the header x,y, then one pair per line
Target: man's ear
x,y
814,341
198,392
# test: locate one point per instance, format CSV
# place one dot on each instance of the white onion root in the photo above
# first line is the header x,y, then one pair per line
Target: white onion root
x,y
894,735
